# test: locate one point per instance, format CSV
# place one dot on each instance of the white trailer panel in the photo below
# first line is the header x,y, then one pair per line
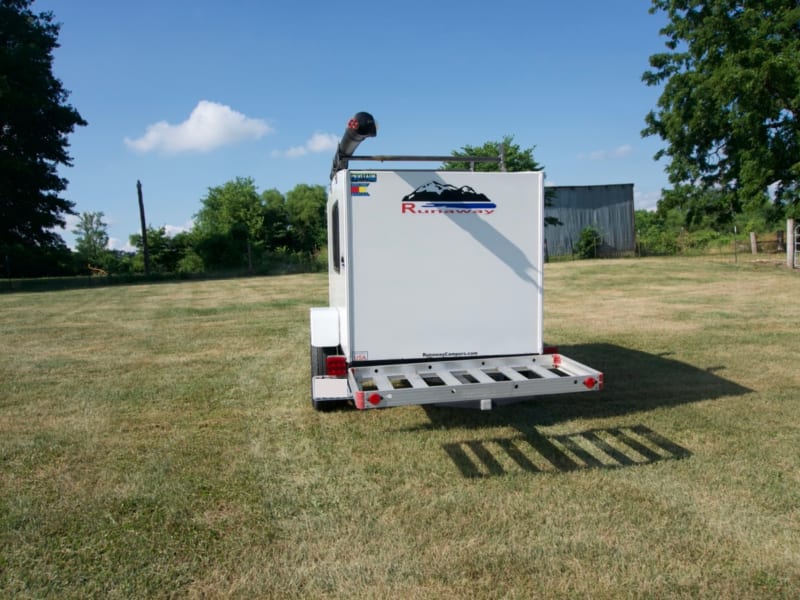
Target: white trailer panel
x,y
436,264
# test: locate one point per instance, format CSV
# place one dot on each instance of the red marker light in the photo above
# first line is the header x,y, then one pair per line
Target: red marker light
x,y
590,382
336,366
374,399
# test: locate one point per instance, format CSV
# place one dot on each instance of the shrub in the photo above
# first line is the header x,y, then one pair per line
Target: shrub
x,y
190,263
588,242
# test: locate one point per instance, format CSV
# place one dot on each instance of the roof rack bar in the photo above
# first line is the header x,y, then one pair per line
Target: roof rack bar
x,y
444,159
411,158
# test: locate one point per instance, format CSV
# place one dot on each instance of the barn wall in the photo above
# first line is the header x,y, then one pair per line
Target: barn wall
x,y
609,208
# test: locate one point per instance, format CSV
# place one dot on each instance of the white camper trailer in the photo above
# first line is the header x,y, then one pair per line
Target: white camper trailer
x,y
435,288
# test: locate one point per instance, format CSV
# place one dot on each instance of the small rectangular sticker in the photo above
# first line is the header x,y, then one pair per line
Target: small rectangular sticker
x,y
359,183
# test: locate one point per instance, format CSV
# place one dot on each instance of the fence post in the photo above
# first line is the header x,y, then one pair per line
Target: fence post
x,y
753,243
790,243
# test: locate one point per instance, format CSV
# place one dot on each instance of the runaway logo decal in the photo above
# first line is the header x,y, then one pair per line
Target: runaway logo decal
x,y
440,198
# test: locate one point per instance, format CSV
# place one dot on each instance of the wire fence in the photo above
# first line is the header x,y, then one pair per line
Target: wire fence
x,y
761,247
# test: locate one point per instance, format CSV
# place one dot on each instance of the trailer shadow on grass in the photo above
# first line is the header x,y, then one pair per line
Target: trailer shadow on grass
x,y
635,382
534,452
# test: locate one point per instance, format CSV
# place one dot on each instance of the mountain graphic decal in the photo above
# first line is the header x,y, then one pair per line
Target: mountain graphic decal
x,y
440,195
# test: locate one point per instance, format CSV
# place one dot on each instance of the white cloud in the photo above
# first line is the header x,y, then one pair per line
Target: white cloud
x,y
173,230
646,200
319,142
210,126
322,142
116,244
618,152
622,151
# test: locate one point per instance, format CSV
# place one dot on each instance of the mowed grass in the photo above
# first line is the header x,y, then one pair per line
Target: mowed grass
x,y
158,440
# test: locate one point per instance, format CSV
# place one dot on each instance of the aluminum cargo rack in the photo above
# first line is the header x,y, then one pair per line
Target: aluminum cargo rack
x,y
478,379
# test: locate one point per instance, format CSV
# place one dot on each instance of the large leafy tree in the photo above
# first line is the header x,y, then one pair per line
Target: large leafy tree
x,y
165,252
91,239
35,120
234,213
730,102
516,158
276,220
305,207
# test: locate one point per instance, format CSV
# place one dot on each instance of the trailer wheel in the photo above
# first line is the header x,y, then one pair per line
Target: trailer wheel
x,y
318,356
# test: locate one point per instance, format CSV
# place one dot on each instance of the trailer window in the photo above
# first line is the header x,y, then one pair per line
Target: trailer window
x,y
334,229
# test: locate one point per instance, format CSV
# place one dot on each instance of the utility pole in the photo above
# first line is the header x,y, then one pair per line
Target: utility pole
x,y
145,253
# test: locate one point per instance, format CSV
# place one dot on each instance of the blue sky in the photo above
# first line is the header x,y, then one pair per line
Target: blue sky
x,y
185,95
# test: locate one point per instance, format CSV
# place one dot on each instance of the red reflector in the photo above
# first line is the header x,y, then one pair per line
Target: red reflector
x,y
602,381
359,398
336,366
550,350
556,360
590,382
374,399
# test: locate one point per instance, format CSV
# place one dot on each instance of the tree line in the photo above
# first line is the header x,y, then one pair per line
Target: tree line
x,y
236,229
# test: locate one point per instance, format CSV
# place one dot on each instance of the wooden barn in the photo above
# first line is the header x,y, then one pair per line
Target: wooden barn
x,y
607,208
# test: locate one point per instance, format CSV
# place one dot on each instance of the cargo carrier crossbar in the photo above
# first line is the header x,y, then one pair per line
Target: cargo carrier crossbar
x,y
482,379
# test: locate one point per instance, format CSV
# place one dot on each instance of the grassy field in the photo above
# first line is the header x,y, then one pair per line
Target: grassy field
x,y
158,440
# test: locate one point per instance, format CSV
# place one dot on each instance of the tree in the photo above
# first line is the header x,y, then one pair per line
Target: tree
x,y
730,102
657,232
516,159
35,121
235,212
305,206
701,206
276,220
91,239
164,252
